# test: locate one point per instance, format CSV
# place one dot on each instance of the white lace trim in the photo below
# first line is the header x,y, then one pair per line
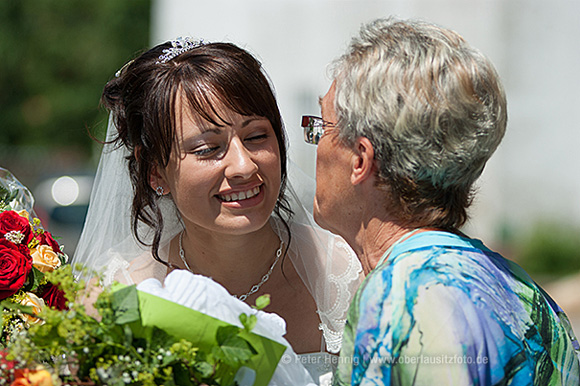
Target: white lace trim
x,y
334,317
116,264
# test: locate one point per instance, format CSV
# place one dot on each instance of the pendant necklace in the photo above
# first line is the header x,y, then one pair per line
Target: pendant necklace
x,y
255,287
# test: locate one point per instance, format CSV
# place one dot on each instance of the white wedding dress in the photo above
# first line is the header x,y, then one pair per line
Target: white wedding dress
x,y
332,309
328,267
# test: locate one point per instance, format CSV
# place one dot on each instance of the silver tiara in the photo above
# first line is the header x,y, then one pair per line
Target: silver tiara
x,y
178,47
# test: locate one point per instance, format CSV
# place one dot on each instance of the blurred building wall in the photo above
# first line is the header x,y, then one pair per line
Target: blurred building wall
x,y
534,45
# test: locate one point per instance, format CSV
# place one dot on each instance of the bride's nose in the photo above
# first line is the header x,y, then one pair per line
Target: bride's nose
x,y
239,162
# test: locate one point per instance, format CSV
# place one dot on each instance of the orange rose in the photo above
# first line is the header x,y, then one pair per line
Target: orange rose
x,y
26,377
40,378
20,382
45,259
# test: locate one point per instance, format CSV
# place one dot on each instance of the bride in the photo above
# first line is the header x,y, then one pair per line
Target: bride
x,y
194,176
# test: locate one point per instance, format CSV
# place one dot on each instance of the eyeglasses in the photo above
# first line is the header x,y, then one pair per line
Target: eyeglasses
x,y
314,128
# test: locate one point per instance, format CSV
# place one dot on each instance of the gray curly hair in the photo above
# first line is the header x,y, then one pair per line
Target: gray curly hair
x,y
434,110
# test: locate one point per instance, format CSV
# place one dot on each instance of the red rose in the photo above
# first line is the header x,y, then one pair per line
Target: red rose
x,y
10,221
54,297
15,264
45,238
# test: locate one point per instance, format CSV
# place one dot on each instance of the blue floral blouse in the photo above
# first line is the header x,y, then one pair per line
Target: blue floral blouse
x,y
445,310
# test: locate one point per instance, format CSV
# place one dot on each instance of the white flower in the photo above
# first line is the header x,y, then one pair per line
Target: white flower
x,y
15,237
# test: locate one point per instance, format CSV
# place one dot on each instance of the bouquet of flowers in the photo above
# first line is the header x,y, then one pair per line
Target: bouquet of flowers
x,y
122,346
132,337
27,253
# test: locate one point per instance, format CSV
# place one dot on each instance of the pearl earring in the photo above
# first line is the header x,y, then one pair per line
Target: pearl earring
x,y
159,191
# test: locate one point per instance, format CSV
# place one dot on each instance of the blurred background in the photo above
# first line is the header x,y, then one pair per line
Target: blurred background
x,y
57,55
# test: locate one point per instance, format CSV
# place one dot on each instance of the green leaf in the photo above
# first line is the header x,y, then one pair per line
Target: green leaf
x,y
204,369
237,350
128,333
224,375
262,302
224,333
181,375
243,319
160,338
233,350
248,321
17,307
33,280
62,257
125,305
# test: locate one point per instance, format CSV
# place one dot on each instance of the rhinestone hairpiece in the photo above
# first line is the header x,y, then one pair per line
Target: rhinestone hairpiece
x,y
178,47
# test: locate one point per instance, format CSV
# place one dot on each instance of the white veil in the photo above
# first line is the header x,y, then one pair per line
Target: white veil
x,y
325,263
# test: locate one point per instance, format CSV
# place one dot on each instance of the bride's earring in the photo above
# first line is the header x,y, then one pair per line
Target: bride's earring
x,y
159,191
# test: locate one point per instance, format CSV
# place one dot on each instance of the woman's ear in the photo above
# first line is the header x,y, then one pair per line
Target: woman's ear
x,y
158,182
363,161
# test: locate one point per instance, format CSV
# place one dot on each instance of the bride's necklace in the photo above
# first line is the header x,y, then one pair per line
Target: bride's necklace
x,y
255,287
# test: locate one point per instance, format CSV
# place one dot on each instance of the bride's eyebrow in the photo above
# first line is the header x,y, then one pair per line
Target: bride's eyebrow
x,y
205,127
208,127
252,119
211,129
192,139
216,125
202,130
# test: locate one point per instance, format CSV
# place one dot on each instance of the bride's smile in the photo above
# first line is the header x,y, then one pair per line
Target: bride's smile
x,y
242,198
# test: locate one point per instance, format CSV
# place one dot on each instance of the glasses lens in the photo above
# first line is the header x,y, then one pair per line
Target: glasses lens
x,y
313,129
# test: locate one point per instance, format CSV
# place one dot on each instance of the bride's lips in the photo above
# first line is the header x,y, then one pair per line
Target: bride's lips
x,y
242,198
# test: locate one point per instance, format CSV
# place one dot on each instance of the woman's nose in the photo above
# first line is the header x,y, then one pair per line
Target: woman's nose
x,y
239,161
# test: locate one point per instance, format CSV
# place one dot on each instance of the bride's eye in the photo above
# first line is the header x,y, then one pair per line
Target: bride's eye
x,y
205,150
256,137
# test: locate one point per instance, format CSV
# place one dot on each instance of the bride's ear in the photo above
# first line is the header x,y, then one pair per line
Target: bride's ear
x,y
158,182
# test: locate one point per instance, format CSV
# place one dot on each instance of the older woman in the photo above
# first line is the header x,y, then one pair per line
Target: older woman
x,y
409,122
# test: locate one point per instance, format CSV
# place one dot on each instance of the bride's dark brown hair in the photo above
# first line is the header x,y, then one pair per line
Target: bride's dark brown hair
x,y
142,99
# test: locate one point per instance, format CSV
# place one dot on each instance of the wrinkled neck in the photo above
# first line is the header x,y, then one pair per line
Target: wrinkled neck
x,y
374,239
